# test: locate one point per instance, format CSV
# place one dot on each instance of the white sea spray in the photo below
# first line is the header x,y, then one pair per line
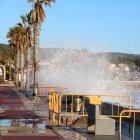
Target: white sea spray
x,y
83,72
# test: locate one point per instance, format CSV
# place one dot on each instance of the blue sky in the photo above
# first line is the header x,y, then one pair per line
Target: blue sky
x,y
97,25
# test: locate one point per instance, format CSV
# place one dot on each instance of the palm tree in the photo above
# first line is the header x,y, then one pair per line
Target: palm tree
x,y
22,40
16,35
14,44
38,16
26,20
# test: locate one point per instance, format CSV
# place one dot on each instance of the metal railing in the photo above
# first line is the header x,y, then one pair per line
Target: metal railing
x,y
75,105
133,117
43,91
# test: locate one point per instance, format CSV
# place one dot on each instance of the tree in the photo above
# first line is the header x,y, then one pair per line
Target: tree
x,y
7,55
2,55
37,16
22,45
12,35
10,56
26,20
16,35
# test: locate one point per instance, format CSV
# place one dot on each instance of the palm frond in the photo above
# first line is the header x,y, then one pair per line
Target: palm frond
x,y
23,18
30,1
33,15
42,14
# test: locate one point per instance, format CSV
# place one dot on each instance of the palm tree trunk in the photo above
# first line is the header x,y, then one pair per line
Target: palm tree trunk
x,y
22,69
10,71
27,69
17,67
36,55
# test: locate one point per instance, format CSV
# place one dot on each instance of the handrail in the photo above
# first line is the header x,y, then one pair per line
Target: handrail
x,y
134,122
43,91
64,104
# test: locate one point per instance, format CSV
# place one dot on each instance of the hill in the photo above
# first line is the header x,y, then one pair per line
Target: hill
x,y
112,57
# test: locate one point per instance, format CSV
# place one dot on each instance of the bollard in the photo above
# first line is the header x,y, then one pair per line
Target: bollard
x,y
77,105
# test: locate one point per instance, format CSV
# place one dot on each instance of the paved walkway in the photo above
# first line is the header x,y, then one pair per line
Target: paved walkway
x,y
19,119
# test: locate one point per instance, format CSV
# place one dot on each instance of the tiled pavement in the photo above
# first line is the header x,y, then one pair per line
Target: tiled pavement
x,y
19,121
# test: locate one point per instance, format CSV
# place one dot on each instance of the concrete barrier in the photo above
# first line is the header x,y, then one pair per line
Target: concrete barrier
x,y
101,125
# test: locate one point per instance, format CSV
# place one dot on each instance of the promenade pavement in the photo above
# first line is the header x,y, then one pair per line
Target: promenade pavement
x,y
19,120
